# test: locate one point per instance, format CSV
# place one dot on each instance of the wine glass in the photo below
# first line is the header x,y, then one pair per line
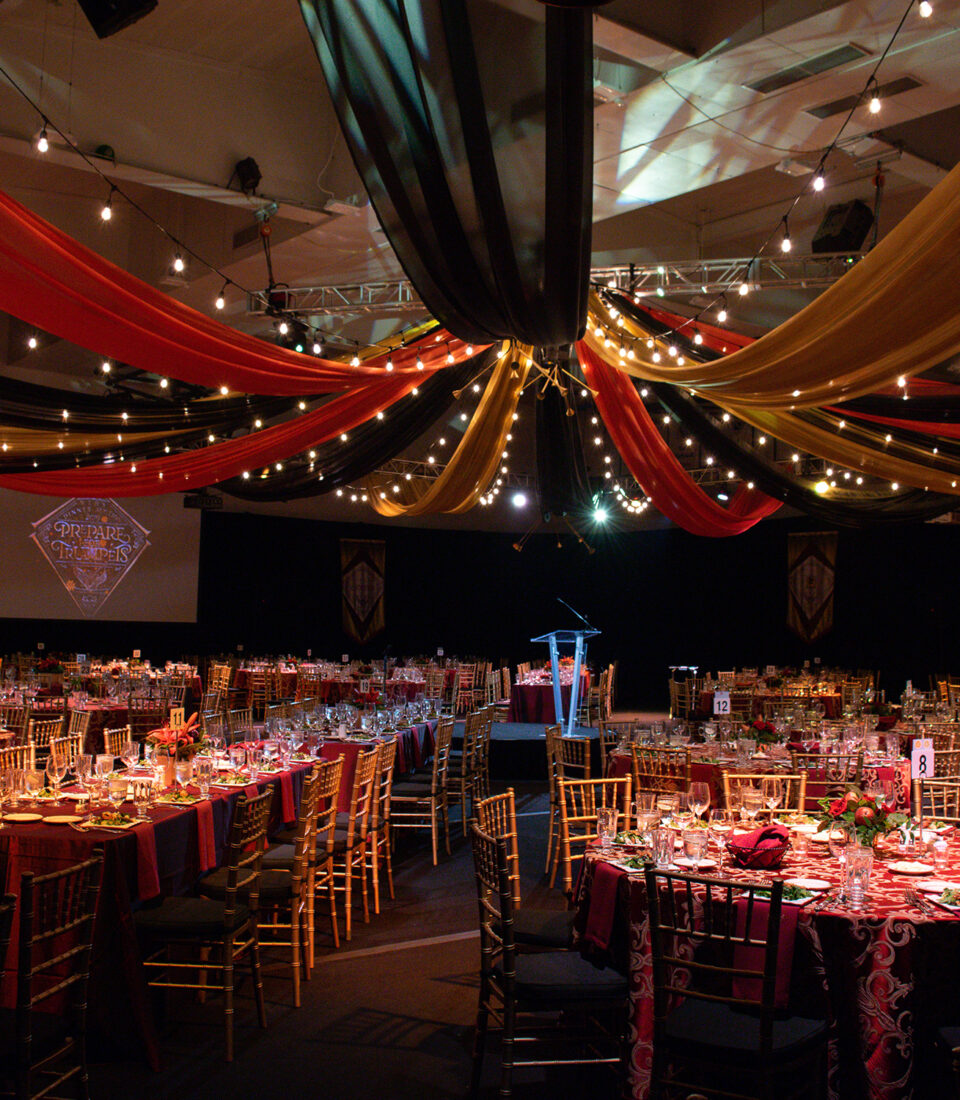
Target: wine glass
x,y
117,791
82,767
752,803
130,754
772,791
698,798
839,835
56,769
32,783
102,767
203,774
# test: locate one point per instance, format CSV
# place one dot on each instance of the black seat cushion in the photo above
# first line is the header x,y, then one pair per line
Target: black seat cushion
x,y
412,788
563,976
278,856
187,917
274,885
719,1028
48,1032
543,927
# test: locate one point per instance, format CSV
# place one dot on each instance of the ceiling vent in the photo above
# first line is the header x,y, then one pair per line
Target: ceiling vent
x,y
822,63
885,91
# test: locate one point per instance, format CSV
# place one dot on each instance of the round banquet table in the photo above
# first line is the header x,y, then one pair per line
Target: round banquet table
x,y
832,701
890,972
711,771
534,702
162,856
104,715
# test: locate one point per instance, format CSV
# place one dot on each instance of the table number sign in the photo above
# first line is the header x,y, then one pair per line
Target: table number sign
x,y
177,718
721,702
921,759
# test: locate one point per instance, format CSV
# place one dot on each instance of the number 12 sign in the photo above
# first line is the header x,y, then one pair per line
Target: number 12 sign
x,y
721,702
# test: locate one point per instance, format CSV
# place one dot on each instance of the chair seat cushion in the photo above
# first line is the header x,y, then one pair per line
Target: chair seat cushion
x,y
543,927
48,1031
718,1027
412,788
278,857
555,976
274,885
188,917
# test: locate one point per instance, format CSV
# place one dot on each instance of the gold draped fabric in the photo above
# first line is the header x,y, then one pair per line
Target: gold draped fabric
x,y
896,312
35,442
476,460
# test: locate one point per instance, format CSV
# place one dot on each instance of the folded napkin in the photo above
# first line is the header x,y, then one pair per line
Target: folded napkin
x,y
252,791
148,878
751,956
603,905
206,842
761,849
768,836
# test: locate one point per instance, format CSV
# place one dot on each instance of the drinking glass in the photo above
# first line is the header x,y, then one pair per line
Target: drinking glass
x,y
746,747
184,772
698,798
32,783
752,803
254,758
149,754
667,804
772,790
144,794
56,769
856,879
117,791
82,766
102,767
941,853
130,754
663,842
606,825
16,785
840,837
238,756
694,845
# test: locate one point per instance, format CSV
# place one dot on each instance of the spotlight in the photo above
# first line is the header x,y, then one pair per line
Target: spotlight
x,y
599,515
248,174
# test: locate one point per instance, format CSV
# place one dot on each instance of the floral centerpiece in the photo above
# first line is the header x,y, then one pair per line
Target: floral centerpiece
x,y
872,817
52,666
179,744
764,733
566,662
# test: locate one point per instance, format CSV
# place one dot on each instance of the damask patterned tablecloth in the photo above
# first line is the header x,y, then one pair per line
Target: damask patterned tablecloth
x,y
888,971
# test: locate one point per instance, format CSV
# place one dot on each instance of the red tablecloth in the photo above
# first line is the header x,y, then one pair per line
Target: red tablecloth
x,y
832,702
103,715
534,702
120,1014
879,967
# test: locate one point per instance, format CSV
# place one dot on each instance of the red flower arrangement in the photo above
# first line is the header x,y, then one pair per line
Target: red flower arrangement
x,y
179,744
871,816
764,733
566,662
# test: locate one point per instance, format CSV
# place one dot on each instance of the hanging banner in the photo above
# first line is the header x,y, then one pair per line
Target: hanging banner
x,y
811,564
362,575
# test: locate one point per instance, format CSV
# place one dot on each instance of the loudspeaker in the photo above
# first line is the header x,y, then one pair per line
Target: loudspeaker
x,y
109,16
844,229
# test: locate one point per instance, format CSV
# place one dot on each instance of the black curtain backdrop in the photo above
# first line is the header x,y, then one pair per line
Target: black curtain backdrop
x,y
562,482
368,446
471,124
660,598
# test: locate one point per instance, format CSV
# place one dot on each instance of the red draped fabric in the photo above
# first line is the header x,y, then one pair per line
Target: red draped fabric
x,y
927,427
52,281
194,469
717,339
654,465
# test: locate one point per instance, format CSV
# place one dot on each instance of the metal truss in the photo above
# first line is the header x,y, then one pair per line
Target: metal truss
x,y
690,277
355,298
398,468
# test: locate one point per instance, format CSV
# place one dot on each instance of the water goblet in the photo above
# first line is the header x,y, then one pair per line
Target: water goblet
x,y
694,843
130,754
117,791
771,788
698,798
82,767
606,825
667,805
663,844
102,767
752,803
184,772
144,793
56,769
32,784
203,774
238,756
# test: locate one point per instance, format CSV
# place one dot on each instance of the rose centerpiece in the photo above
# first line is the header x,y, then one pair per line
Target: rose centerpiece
x,y
872,817
764,733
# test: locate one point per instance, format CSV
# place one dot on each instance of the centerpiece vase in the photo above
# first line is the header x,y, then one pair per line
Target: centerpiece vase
x,y
169,771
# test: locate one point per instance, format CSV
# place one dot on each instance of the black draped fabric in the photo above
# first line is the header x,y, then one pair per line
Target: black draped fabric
x,y
471,124
370,445
562,482
878,510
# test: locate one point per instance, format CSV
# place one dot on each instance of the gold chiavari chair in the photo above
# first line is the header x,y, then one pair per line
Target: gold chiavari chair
x,y
942,736
611,734
144,716
660,769
828,773
946,764
420,801
466,690
433,685
18,756
67,748
350,840
378,838
794,789
462,772
941,799
79,723
551,735
532,927
220,932
571,761
115,739
240,723
14,719
40,732
579,801
210,701
481,758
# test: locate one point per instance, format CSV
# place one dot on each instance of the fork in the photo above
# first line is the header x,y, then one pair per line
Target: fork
x,y
912,897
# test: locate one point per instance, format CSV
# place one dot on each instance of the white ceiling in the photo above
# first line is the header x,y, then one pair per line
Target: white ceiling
x,y
685,164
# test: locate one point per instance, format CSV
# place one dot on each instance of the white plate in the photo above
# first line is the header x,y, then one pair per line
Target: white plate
x,y
62,819
703,865
910,867
808,883
23,817
937,886
819,838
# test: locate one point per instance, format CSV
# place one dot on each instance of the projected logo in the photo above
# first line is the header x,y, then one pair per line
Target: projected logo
x,y
91,545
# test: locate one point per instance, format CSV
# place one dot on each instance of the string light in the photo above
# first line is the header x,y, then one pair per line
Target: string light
x,y
926,9
389,364
874,104
355,361
164,383
697,336
105,366
32,343
743,290
785,243
106,211
419,365
224,390
819,182
178,264
317,347
221,301
283,328
43,143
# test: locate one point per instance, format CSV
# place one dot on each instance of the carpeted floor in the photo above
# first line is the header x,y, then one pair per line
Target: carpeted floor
x,y
389,1015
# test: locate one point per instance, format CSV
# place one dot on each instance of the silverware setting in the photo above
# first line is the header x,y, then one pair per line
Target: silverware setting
x,y
912,897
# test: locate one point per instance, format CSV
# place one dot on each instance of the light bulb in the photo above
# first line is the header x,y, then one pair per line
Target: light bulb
x,y
926,9
164,383
317,348
389,364
105,367
178,264
469,349
449,357
786,244
743,290
875,105
283,328
42,144
419,363
355,361
221,301
819,182
32,343
106,212
698,338
722,316
224,390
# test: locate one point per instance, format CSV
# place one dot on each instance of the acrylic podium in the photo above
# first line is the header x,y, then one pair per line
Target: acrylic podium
x,y
578,639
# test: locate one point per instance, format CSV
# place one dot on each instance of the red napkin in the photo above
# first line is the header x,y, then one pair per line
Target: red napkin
x,y
751,957
252,791
206,843
148,879
286,797
768,836
603,905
